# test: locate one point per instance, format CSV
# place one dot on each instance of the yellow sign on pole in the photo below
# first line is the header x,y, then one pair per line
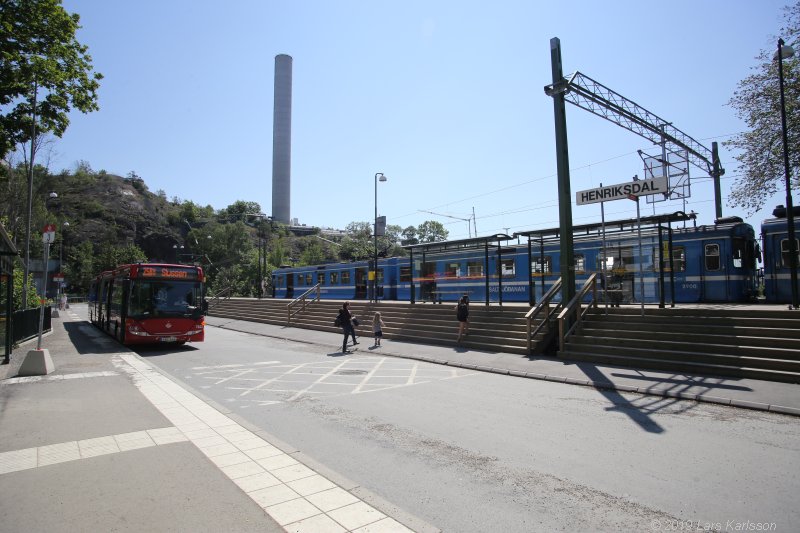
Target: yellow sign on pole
x,y
371,275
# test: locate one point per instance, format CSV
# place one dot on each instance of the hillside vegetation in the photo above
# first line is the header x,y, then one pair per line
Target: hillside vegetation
x,y
104,220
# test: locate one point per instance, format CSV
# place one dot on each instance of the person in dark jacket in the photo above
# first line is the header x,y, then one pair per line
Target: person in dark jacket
x,y
346,322
462,314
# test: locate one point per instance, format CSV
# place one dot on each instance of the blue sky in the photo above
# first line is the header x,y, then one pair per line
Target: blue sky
x,y
444,97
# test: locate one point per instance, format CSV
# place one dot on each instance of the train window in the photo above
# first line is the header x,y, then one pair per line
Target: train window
x,y
542,265
308,279
507,268
452,270
300,279
580,263
346,277
474,268
712,257
380,275
405,273
785,263
678,259
738,253
321,277
334,278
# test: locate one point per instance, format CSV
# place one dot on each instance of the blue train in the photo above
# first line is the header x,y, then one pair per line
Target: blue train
x,y
652,262
777,272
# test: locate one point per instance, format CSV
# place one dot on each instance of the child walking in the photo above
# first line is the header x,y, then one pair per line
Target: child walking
x,y
377,328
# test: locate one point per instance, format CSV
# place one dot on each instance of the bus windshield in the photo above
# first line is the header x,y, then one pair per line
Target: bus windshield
x,y
164,299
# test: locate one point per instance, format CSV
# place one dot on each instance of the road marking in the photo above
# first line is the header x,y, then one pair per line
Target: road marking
x,y
369,375
358,375
321,379
295,496
28,458
58,377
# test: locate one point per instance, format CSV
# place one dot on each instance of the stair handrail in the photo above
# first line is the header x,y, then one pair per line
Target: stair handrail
x,y
544,303
302,299
224,292
574,307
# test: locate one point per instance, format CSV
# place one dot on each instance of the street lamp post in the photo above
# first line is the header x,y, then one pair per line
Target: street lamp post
x,y
64,224
30,199
785,51
378,177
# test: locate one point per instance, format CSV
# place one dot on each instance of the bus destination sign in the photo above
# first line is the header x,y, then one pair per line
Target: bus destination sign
x,y
169,272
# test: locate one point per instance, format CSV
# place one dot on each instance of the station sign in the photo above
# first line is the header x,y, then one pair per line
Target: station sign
x,y
623,191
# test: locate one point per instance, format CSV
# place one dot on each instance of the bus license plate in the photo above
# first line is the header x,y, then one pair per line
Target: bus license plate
x,y
169,339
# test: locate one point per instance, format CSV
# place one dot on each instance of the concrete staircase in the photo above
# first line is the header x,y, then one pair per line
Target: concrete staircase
x,y
492,329
748,343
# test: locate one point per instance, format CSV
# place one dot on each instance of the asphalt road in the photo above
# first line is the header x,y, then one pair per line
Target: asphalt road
x,y
474,452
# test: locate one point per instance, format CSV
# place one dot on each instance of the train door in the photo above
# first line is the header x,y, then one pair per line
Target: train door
x,y
713,274
361,283
777,280
290,284
428,281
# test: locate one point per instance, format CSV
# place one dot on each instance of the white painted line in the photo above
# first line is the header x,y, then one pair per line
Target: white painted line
x,y
276,481
58,377
28,458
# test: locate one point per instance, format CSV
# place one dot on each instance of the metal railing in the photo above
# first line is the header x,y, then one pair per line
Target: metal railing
x,y
574,307
544,304
25,323
214,300
302,299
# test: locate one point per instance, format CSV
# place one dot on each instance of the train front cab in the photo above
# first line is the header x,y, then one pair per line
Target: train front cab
x,y
715,263
777,269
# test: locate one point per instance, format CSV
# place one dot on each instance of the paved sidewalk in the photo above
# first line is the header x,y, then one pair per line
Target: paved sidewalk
x,y
739,392
108,443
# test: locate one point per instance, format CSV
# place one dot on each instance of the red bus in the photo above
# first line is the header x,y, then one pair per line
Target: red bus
x,y
150,303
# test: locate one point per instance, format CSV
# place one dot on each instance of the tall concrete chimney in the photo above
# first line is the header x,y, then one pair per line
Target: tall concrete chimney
x,y
282,140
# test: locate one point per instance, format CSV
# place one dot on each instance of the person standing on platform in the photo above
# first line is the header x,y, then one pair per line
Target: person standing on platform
x,y
462,314
346,322
377,329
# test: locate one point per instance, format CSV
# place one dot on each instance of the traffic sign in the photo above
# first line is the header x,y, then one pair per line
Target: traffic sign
x,y
49,234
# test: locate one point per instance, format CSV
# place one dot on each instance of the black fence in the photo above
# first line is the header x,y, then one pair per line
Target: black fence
x,y
26,324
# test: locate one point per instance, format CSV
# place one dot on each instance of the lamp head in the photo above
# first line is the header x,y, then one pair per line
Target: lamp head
x,y
786,52
382,178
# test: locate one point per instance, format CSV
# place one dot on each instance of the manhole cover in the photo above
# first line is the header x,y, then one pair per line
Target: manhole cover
x,y
350,372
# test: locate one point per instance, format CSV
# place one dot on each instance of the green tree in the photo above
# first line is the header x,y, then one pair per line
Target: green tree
x,y
432,231
410,235
238,209
757,102
312,255
80,269
112,256
40,54
33,298
277,253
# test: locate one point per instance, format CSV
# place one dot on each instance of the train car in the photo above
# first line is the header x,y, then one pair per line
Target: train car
x,y
340,281
713,263
710,263
777,269
150,303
